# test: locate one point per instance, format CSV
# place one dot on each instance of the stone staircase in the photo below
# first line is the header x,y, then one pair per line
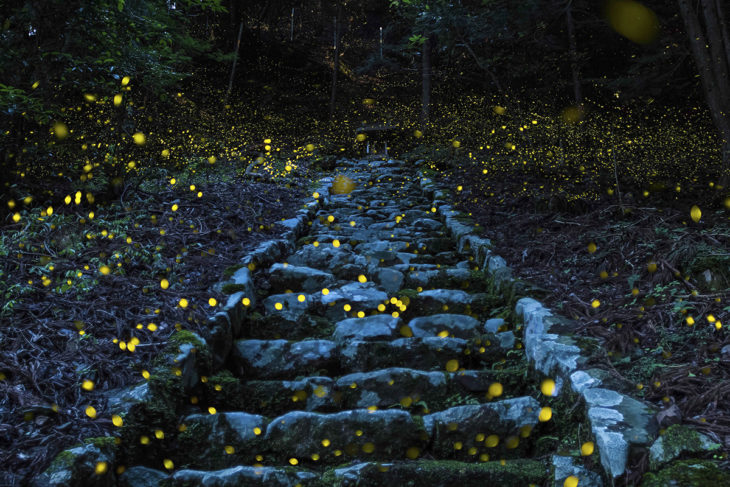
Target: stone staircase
x,y
382,354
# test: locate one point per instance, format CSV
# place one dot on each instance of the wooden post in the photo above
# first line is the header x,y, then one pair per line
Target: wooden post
x,y
233,68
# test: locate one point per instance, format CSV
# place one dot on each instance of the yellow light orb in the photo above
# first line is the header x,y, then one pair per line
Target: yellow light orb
x,y
496,389
139,138
632,20
60,130
342,185
452,365
586,448
548,387
545,414
695,213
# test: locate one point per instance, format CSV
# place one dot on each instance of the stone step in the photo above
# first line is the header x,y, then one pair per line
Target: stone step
x,y
498,429
417,391
521,472
282,359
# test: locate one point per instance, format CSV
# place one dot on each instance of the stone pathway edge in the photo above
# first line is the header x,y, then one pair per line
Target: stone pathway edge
x,y
621,425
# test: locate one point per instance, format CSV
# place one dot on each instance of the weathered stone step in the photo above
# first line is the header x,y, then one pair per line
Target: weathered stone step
x,y
282,359
424,473
298,278
241,475
434,301
414,390
450,278
225,439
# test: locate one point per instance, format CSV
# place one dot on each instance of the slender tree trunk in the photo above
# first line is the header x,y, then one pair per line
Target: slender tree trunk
x,y
723,26
712,65
717,53
336,64
426,85
235,59
577,92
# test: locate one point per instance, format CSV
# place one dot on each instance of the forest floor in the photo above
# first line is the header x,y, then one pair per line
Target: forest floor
x,y
615,269
87,301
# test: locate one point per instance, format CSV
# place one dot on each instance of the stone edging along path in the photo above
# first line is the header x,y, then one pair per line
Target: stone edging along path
x,y
619,423
347,373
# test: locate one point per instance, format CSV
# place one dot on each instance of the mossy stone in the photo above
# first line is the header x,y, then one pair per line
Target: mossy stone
x,y
688,473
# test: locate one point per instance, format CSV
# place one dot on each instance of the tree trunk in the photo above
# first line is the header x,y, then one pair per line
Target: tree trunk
x,y
717,53
235,59
723,26
712,64
426,78
577,93
336,64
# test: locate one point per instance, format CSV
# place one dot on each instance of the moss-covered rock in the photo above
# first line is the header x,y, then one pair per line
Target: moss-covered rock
x,y
438,472
688,473
221,440
231,288
676,441
89,465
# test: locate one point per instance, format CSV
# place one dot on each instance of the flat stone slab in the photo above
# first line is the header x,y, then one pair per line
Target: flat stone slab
x,y
440,472
390,280
359,432
360,295
381,249
455,325
389,387
503,419
291,307
326,257
417,353
297,278
242,475
369,328
280,359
